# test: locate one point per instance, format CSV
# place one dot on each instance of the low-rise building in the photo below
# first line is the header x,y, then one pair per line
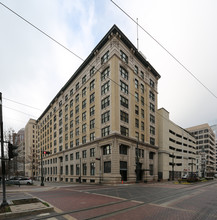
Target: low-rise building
x,y
177,149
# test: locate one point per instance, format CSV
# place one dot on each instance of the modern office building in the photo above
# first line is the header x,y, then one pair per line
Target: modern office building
x,y
177,149
205,143
31,151
101,126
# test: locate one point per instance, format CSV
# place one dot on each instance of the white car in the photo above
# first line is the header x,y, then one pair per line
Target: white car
x,y
25,181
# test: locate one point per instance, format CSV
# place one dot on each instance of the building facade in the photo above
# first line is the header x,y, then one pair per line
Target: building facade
x,y
31,151
214,128
18,163
177,149
205,143
101,126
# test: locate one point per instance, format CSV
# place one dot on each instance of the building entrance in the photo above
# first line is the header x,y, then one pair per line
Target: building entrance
x,y
123,170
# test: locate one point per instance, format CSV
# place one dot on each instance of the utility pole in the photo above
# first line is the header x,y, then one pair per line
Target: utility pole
x,y
4,201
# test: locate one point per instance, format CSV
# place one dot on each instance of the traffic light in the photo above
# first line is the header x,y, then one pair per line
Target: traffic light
x,y
46,152
12,151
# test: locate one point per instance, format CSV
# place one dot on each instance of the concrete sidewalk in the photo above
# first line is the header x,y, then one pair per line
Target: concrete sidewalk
x,y
26,209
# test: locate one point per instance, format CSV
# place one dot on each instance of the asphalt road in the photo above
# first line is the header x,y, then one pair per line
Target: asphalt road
x,y
162,201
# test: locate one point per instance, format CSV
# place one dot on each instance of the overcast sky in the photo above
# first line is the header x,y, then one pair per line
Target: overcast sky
x,y
33,68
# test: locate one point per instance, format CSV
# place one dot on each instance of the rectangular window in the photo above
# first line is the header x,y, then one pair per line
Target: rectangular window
x,y
92,70
105,102
71,92
92,136
142,88
105,131
84,128
142,126
136,123
77,169
92,124
107,167
84,166
105,117
152,130
142,113
124,87
84,139
152,107
124,73
92,98
84,154
105,74
123,149
105,88
77,109
92,169
151,96
71,134
66,108
137,96
92,110
77,131
71,170
71,144
77,142
105,57
136,69
77,86
124,57
84,78
71,113
92,85
124,102
71,124
77,155
77,120
84,104
71,103
142,100
151,168
106,149
84,92
142,74
151,83
124,131
124,116
152,119
152,141
67,169
92,152
136,83
84,116
136,109
77,98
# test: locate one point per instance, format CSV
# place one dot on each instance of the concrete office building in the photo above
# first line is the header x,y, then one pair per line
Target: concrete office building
x,y
31,151
177,149
101,126
205,143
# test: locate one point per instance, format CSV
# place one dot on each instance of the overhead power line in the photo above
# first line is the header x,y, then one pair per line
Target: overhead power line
x,y
22,104
60,44
153,38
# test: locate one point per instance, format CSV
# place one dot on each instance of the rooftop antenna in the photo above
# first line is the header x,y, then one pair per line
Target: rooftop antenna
x,y
137,34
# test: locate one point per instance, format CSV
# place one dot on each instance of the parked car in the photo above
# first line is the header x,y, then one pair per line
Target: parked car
x,y
185,176
25,181
13,180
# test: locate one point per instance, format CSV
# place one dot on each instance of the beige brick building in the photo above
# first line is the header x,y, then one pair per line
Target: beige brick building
x,y
205,138
177,148
31,151
102,123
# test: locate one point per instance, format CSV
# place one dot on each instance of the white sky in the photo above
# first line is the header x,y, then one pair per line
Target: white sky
x,y
33,68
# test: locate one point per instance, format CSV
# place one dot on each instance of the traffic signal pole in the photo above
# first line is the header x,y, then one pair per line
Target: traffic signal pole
x,y
4,201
